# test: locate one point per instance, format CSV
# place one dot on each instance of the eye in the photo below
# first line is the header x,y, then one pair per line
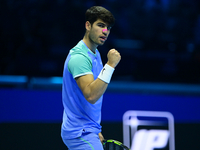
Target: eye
x,y
101,25
109,28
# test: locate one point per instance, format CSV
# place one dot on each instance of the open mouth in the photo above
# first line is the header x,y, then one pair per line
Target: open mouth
x,y
103,38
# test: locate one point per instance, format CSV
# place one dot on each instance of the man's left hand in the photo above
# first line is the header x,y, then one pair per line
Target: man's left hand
x,y
101,137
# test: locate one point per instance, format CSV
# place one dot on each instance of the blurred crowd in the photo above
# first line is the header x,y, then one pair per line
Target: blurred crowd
x,y
36,35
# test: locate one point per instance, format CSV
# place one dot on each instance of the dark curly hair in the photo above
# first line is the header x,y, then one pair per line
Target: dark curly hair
x,y
97,12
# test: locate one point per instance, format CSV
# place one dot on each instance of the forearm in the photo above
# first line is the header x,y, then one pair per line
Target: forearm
x,y
97,88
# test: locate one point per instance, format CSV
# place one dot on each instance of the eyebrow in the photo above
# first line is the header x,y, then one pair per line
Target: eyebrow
x,y
102,23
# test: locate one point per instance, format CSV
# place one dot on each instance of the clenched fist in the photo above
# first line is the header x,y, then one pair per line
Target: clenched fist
x,y
113,58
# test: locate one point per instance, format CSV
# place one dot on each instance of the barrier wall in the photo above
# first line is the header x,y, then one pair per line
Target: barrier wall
x,y
31,119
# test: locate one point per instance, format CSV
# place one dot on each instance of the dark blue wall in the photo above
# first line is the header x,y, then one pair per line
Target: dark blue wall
x,y
31,119
19,105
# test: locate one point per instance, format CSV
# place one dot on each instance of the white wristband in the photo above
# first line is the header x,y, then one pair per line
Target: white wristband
x,y
106,73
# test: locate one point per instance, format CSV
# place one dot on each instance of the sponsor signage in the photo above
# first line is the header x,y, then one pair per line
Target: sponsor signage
x,y
148,130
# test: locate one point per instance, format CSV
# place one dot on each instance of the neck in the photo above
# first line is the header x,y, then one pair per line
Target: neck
x,y
92,46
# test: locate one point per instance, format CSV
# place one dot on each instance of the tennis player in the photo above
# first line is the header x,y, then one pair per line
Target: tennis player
x,y
85,80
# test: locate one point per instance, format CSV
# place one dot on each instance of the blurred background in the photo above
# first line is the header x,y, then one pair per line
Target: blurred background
x,y
159,41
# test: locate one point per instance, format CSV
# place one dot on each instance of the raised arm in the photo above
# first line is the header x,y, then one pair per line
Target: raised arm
x,y
94,89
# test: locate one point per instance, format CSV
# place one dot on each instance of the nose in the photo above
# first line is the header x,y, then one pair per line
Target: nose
x,y
104,30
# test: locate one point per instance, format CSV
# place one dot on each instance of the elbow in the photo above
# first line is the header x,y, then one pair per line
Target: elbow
x,y
91,100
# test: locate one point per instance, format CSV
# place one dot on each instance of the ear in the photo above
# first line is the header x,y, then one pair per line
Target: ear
x,y
87,25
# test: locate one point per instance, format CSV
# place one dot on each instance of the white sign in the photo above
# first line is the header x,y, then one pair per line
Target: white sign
x,y
147,130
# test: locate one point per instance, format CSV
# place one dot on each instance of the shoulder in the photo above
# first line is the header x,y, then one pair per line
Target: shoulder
x,y
79,64
80,51
79,59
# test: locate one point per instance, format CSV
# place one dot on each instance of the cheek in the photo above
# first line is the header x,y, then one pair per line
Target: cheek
x,y
94,32
92,36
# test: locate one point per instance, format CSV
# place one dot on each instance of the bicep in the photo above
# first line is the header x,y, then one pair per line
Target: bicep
x,y
84,81
91,89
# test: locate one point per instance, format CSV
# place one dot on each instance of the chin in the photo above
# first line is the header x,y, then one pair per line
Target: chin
x,y
101,43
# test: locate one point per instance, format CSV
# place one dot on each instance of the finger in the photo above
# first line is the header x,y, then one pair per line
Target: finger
x,y
113,50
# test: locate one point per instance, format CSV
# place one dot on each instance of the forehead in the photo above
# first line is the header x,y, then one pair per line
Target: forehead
x,y
100,21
